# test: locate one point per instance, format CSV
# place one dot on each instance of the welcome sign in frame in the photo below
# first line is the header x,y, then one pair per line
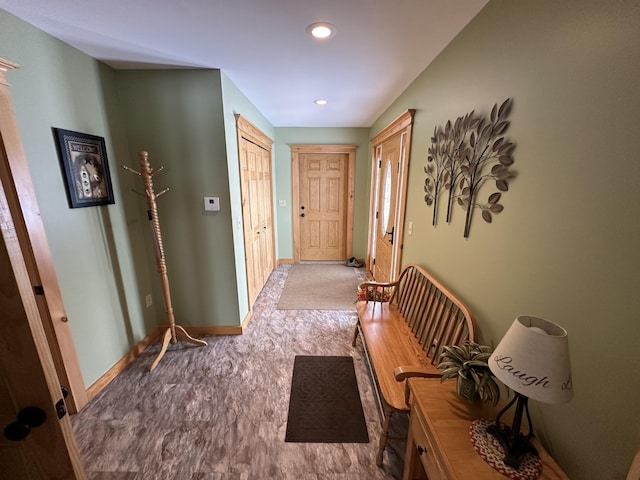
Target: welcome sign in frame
x,y
84,162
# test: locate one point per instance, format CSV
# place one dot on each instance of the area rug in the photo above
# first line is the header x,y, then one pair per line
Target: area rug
x,y
320,287
324,406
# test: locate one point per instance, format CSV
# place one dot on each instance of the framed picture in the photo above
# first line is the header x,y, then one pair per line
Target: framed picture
x,y
85,167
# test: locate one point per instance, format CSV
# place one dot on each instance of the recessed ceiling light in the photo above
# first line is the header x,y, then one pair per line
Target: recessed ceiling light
x,y
321,30
320,101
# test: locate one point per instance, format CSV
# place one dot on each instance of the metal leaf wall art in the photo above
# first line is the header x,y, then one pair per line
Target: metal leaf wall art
x,y
465,155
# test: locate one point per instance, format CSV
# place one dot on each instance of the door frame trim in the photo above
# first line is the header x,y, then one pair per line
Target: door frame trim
x,y
400,126
296,150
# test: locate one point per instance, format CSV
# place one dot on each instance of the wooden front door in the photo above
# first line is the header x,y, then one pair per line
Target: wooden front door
x,y
388,197
323,202
386,233
322,206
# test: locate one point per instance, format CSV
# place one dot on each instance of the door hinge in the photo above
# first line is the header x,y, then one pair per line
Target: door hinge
x,y
376,215
379,163
38,290
374,261
61,408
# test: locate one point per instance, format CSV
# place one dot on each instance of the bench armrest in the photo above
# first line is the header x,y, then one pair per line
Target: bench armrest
x,y
376,291
402,373
378,284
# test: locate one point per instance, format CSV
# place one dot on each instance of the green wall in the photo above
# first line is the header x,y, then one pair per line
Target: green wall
x,y
177,116
100,276
283,186
566,246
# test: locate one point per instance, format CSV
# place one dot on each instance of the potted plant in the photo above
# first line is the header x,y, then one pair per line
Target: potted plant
x,y
468,365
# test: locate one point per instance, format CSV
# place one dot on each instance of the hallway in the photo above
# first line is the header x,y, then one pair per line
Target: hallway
x,y
219,412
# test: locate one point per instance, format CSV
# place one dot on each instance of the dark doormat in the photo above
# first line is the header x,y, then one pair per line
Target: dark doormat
x,y
324,405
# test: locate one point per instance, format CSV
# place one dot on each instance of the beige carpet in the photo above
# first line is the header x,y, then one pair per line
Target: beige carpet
x,y
320,287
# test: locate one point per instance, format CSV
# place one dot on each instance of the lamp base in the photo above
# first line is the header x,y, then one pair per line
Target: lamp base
x,y
492,452
515,446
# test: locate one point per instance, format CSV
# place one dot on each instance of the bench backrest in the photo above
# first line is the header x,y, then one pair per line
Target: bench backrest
x,y
436,316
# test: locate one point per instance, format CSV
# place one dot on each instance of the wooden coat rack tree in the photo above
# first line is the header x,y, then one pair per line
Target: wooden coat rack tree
x,y
171,334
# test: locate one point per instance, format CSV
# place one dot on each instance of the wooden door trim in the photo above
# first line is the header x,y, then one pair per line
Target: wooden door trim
x,y
31,233
252,133
402,125
296,150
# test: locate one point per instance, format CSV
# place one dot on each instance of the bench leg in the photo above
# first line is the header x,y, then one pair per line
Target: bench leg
x,y
355,336
384,435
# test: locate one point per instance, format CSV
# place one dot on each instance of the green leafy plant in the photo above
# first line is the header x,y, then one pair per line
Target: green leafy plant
x,y
468,365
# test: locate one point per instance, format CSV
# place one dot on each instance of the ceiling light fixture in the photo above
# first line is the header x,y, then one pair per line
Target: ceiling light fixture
x,y
320,101
321,30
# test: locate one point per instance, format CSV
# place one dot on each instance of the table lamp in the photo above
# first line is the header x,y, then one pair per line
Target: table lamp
x,y
533,360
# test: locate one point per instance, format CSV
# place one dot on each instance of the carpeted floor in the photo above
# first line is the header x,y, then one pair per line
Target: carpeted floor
x,y
220,412
320,286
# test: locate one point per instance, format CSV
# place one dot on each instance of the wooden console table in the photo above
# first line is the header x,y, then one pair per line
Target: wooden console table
x,y
438,445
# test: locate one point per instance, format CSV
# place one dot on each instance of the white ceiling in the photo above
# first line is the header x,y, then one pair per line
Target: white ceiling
x,y
379,48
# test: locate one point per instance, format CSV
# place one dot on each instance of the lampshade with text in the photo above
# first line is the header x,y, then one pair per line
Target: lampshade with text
x,y
533,360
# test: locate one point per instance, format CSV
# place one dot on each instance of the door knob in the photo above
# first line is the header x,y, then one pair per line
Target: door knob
x,y
302,214
28,418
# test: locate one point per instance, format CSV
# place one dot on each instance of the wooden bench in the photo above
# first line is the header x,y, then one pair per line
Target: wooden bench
x,y
404,326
